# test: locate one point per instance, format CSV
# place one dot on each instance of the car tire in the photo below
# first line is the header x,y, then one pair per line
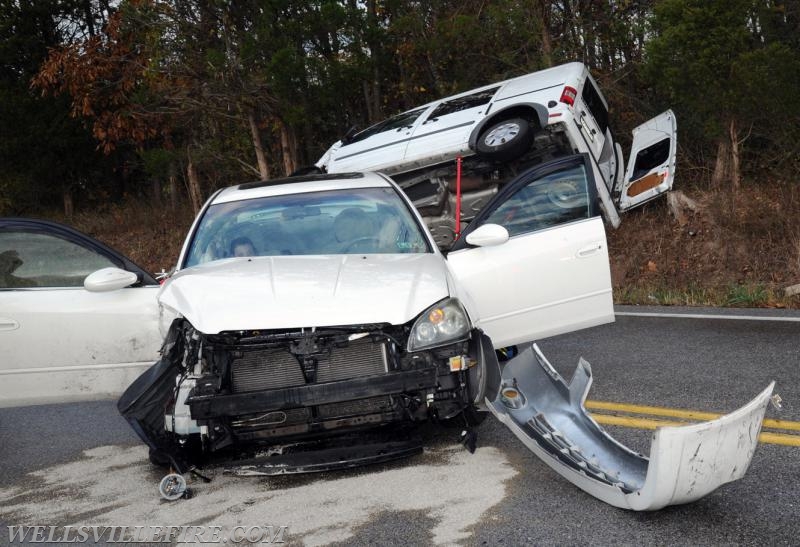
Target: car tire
x,y
505,140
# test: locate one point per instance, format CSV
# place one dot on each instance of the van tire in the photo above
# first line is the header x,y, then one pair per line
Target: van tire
x,y
505,140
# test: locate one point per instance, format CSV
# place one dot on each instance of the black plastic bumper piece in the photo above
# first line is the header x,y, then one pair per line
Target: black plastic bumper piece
x,y
206,407
326,459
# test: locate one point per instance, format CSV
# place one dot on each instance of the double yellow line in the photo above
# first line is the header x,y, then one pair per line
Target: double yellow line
x,y
681,417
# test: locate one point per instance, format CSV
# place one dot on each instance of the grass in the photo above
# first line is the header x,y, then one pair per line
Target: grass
x,y
732,296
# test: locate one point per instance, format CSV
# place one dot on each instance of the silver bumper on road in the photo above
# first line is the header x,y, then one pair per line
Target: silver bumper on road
x,y
685,463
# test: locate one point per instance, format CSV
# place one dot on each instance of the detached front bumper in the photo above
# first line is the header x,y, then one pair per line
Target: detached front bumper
x,y
685,463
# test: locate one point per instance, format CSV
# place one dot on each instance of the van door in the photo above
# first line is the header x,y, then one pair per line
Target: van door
x,y
651,166
591,116
446,129
378,147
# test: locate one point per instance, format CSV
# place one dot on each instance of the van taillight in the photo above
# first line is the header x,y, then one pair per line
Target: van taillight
x,y
568,95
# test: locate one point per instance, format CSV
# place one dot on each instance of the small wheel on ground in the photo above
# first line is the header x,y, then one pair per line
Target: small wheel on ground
x,y
172,487
505,140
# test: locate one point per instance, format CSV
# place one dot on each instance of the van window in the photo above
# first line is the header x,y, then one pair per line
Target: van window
x,y
595,105
406,119
464,103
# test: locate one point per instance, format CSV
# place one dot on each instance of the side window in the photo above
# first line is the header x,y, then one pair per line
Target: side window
x,y
406,119
463,103
557,198
650,158
594,103
31,259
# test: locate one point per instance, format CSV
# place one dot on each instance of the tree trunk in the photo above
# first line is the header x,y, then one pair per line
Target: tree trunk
x,y
368,101
722,163
727,167
263,166
288,148
375,47
155,191
195,195
69,205
542,12
173,187
736,173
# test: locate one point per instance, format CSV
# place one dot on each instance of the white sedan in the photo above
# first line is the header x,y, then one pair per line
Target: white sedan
x,y
317,323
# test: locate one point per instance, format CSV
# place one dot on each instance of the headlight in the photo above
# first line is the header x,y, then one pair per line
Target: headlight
x,y
442,323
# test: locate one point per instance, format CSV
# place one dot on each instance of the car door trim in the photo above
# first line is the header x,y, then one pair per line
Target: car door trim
x,y
484,320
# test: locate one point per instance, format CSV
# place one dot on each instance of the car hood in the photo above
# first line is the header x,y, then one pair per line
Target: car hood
x,y
306,291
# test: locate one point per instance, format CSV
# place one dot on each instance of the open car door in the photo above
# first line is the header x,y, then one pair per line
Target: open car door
x,y
534,262
651,166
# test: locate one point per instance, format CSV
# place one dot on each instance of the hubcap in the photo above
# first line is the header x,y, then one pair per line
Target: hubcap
x,y
502,134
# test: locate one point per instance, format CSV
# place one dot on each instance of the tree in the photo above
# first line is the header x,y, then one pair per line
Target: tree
x,y
44,153
723,74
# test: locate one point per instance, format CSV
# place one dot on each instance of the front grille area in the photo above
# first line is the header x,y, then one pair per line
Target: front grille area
x,y
266,369
362,357
275,418
373,405
278,368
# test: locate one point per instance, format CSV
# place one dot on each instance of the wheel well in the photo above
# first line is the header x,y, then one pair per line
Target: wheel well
x,y
536,114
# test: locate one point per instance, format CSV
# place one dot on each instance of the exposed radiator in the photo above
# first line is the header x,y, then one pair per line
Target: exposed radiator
x,y
266,369
362,357
278,368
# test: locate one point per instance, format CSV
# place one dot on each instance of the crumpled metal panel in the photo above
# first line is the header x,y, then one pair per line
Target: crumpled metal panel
x,y
685,464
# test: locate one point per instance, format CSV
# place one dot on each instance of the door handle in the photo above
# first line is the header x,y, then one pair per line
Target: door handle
x,y
8,324
589,250
589,132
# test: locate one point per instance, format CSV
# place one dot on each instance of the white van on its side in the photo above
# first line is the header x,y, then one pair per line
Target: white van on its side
x,y
500,130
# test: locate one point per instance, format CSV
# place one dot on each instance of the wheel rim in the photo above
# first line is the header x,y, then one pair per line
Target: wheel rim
x,y
502,134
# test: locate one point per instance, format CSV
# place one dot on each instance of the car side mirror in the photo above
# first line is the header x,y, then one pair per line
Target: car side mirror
x,y
488,235
109,279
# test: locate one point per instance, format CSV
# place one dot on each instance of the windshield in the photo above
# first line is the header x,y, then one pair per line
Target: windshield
x,y
352,221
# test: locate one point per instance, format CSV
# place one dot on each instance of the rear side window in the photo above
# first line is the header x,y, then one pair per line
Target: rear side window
x,y
594,103
406,119
463,103
30,259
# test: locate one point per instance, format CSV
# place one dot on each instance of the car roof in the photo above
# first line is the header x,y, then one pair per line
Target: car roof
x,y
300,185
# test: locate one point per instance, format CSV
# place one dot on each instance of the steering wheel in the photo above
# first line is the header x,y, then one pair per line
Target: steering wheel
x,y
566,194
358,240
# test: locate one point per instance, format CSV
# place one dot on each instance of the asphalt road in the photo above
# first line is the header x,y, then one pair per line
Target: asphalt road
x,y
502,495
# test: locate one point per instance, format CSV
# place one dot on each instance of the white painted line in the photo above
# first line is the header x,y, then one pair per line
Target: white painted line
x,y
709,316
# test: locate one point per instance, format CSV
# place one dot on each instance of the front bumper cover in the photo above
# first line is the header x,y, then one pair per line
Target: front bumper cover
x,y
685,464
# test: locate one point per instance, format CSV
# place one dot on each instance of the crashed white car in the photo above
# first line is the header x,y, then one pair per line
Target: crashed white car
x,y
317,323
500,130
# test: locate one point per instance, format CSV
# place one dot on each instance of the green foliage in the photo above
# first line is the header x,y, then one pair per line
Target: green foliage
x,y
197,71
715,61
44,153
